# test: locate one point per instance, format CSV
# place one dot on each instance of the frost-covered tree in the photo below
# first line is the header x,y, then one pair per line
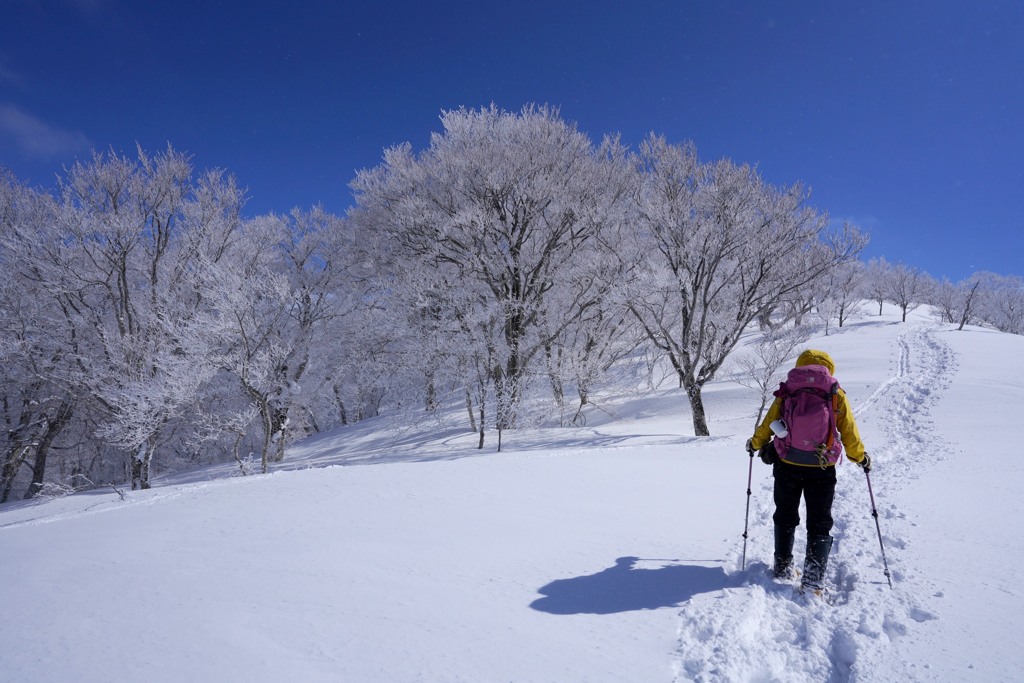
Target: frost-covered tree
x,y
37,400
603,332
876,281
908,287
117,268
1001,302
944,298
126,266
275,299
839,293
586,350
723,247
967,300
956,303
507,208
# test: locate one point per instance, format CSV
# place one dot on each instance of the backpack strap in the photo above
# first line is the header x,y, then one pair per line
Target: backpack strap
x,y
834,403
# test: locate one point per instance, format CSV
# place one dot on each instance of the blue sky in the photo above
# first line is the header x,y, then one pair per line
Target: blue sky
x,y
903,116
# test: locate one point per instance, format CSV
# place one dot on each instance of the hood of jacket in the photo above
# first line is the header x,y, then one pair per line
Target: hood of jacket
x,y
816,357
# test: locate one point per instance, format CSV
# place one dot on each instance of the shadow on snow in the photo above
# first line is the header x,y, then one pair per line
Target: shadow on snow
x,y
625,587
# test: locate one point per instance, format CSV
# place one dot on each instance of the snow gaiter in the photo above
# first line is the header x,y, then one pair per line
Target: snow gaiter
x,y
784,552
818,548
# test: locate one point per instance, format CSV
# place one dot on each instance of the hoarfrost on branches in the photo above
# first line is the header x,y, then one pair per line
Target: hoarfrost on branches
x,y
725,248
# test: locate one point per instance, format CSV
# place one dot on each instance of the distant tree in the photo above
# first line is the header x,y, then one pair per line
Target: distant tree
x,y
838,295
945,300
1001,303
908,287
876,281
956,303
968,290
848,288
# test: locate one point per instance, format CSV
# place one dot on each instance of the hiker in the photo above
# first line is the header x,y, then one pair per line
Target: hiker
x,y
800,437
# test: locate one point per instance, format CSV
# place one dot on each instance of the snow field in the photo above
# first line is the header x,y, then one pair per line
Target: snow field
x,y
605,553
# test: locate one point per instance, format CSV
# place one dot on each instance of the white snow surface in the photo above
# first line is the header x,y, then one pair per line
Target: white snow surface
x,y
610,552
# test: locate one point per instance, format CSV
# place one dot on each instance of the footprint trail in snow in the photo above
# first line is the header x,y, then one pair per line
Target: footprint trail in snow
x,y
758,628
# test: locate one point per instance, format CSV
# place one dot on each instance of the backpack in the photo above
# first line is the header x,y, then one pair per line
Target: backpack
x,y
809,398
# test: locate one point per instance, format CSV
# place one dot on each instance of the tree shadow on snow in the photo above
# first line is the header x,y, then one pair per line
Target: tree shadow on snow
x,y
625,587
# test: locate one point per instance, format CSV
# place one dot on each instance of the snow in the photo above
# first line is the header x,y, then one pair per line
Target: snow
x,y
610,552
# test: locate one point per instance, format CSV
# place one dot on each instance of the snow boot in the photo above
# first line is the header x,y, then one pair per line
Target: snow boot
x,y
818,548
784,552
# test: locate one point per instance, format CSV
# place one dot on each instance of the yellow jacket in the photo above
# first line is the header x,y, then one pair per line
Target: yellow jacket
x,y
848,433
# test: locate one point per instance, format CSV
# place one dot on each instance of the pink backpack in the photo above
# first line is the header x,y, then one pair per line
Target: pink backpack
x,y
809,398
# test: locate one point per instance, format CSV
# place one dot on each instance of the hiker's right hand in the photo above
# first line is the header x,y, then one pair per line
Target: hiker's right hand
x,y
865,464
750,445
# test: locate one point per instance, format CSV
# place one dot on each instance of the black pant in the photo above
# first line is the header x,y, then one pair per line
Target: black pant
x,y
818,487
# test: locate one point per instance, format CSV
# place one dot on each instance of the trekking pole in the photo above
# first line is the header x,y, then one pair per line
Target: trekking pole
x,y
746,516
874,513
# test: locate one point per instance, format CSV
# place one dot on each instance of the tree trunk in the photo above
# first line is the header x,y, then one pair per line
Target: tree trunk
x,y
481,445
238,458
136,466
147,462
10,469
584,394
53,429
967,306
279,426
506,389
431,402
338,401
557,387
267,431
141,461
21,439
700,420
469,410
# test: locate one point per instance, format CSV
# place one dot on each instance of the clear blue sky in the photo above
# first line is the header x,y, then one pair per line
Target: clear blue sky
x,y
904,116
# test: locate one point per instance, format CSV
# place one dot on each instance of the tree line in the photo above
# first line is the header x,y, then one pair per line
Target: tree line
x,y
151,326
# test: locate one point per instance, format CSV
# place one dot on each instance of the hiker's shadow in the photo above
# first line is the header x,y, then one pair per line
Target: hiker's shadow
x,y
627,588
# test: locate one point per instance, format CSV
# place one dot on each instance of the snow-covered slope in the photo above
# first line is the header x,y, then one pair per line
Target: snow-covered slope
x,y
605,553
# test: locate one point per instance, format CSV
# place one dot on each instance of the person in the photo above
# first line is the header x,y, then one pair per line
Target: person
x,y
811,471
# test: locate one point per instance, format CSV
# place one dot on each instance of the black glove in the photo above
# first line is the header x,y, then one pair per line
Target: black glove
x,y
750,447
865,464
768,454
